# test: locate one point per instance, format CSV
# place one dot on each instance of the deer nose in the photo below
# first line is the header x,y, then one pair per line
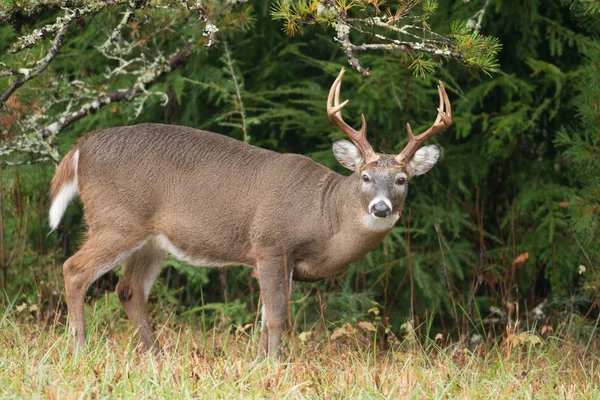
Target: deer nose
x,y
380,209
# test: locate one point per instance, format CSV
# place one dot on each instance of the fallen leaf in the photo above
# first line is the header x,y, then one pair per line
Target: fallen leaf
x,y
547,329
338,333
521,258
367,325
342,331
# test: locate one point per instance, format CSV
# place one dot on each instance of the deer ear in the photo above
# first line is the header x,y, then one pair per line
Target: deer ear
x,y
424,159
347,154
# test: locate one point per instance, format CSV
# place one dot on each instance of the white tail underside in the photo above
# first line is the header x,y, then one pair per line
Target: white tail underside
x,y
67,192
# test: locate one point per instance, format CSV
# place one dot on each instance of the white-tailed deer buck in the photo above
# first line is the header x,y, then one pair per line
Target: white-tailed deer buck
x,y
210,200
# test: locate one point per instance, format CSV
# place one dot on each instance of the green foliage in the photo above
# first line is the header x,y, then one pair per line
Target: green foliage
x,y
477,51
581,144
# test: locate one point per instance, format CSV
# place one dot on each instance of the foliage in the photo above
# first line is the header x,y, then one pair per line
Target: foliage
x,y
581,144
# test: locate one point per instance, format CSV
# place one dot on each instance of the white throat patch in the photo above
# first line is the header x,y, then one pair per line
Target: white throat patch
x,y
376,224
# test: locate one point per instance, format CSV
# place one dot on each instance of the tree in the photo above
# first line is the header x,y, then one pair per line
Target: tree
x,y
138,52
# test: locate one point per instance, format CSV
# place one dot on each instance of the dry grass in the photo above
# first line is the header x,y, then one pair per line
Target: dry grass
x,y
35,361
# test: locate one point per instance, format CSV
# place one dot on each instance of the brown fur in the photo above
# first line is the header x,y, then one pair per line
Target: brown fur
x,y
65,172
218,201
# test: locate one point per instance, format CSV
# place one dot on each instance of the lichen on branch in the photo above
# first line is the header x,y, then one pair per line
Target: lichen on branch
x,y
401,27
138,47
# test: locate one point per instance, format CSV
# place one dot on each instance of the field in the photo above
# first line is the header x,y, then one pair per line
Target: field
x,y
36,362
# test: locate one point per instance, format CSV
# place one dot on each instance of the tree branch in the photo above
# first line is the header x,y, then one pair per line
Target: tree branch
x,y
9,70
117,31
353,61
30,162
40,66
28,41
118,95
402,45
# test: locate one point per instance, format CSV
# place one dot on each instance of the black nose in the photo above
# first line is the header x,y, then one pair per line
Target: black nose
x,y
380,209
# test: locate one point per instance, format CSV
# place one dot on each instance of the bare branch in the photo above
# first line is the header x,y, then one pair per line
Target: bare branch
x,y
29,162
353,61
402,45
28,41
117,31
210,29
40,66
9,70
475,25
118,95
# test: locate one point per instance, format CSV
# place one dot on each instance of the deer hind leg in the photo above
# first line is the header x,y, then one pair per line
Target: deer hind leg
x,y
275,280
99,254
139,273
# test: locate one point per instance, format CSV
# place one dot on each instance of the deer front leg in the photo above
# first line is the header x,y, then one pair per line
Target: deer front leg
x,y
275,280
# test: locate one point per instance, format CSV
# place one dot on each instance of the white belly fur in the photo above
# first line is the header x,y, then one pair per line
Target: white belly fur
x,y
166,245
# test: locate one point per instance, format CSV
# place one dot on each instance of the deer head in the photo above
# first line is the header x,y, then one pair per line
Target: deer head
x,y
383,178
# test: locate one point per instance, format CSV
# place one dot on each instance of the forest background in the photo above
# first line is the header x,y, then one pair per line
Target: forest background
x,y
499,238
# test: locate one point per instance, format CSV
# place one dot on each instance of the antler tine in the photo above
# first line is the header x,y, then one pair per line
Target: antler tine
x,y
334,109
442,121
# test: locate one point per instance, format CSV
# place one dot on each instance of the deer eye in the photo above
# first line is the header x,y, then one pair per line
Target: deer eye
x,y
401,180
366,178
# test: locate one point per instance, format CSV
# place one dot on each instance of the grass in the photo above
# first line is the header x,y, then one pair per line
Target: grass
x,y
35,362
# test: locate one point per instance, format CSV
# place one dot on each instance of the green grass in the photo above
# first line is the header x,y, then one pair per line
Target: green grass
x,y
35,361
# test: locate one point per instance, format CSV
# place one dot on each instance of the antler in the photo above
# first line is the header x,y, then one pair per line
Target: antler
x,y
335,116
443,120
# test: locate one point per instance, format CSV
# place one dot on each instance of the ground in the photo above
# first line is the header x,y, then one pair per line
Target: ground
x,y
35,361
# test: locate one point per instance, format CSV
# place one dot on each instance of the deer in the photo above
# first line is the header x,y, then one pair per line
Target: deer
x,y
209,200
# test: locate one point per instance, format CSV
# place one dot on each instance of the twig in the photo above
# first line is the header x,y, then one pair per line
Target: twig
x,y
589,260
239,102
476,25
210,29
117,31
437,231
28,41
40,66
30,162
401,45
118,95
353,61
9,70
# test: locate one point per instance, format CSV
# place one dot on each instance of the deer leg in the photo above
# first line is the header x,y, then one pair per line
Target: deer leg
x,y
275,282
139,273
263,347
97,256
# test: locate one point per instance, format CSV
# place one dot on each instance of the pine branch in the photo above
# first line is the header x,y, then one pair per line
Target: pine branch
x,y
399,27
